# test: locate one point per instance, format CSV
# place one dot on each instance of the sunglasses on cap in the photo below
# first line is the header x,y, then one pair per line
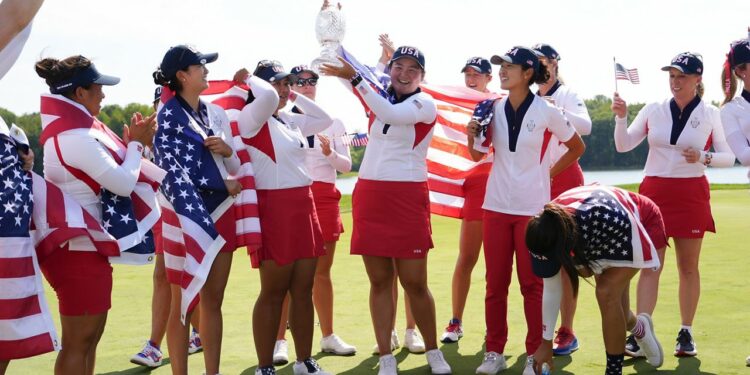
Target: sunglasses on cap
x,y
307,81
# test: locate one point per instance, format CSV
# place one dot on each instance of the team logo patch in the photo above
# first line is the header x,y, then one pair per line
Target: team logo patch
x,y
530,125
695,123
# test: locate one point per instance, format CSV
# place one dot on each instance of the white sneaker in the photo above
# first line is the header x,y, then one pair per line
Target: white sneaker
x,y
529,368
413,341
394,343
437,362
388,365
149,356
747,361
334,344
649,344
308,366
265,371
194,343
492,364
280,353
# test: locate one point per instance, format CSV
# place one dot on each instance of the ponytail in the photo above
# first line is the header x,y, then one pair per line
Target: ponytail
x,y
554,234
55,71
700,89
541,75
172,82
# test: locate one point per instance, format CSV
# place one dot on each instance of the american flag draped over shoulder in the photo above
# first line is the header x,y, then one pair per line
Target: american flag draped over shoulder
x,y
26,327
621,73
448,160
128,219
231,97
610,226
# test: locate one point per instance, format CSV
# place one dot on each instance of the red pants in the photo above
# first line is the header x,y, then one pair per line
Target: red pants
x,y
504,234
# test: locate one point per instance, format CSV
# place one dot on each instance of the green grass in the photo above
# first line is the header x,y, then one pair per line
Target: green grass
x,y
721,327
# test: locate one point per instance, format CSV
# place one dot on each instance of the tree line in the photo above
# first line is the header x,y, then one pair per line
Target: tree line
x,y
600,146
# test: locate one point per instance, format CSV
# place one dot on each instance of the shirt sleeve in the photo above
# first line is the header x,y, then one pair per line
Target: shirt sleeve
x,y
314,120
558,124
340,157
723,155
551,305
255,114
416,109
88,155
734,136
576,112
629,137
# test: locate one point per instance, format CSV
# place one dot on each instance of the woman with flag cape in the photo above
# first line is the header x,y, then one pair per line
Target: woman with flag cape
x,y
109,179
608,233
680,132
193,143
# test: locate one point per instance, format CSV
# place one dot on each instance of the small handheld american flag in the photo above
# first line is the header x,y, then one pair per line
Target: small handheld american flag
x,y
622,73
356,139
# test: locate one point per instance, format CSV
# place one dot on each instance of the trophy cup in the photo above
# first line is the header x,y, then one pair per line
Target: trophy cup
x,y
330,27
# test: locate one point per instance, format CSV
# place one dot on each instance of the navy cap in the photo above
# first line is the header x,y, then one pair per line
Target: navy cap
x,y
518,55
410,52
687,62
84,77
544,265
271,71
157,93
303,68
480,64
740,53
547,51
182,56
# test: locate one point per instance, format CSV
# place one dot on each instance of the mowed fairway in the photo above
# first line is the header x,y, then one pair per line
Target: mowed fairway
x,y
721,328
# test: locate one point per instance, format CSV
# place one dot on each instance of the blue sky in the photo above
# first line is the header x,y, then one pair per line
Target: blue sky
x,y
129,38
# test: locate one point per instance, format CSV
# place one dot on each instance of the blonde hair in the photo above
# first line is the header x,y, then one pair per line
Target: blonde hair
x,y
729,81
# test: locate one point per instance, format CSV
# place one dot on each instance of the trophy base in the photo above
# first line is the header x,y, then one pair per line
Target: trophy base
x,y
318,62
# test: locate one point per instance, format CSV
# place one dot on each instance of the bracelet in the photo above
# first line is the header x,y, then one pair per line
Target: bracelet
x,y
707,160
356,80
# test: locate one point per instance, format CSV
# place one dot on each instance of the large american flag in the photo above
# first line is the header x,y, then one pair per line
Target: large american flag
x,y
610,226
128,219
190,240
622,73
26,327
448,160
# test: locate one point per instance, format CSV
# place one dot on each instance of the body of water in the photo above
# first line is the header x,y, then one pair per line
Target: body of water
x,y
734,175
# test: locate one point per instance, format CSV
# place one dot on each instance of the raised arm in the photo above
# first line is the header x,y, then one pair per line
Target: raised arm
x,y
628,137
413,110
15,15
314,120
255,114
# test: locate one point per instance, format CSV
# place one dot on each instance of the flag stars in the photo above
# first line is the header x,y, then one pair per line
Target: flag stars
x,y
167,112
8,183
18,221
125,218
110,210
9,207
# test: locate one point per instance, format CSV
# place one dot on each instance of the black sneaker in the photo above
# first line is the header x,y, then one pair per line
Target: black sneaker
x,y
685,345
631,347
308,366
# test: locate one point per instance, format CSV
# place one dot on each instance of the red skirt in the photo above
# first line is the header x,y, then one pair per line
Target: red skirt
x,y
569,178
391,219
82,281
227,228
684,204
475,187
289,227
652,220
327,198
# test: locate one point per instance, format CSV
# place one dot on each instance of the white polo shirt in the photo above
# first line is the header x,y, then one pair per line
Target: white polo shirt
x,y
399,135
519,182
574,109
702,129
735,116
321,167
277,146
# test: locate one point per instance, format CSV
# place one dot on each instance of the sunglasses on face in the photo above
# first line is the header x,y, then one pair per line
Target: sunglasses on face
x,y
309,81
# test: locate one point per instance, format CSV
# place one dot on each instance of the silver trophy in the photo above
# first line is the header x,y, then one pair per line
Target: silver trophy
x,y
330,27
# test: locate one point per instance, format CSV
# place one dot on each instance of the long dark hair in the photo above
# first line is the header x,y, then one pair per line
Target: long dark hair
x,y
541,75
55,71
554,234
